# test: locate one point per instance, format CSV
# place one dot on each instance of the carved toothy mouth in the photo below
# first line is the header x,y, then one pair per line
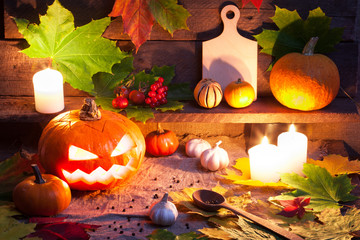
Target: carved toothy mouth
x,y
99,175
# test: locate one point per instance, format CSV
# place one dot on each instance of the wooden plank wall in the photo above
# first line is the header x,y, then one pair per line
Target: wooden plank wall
x,y
183,49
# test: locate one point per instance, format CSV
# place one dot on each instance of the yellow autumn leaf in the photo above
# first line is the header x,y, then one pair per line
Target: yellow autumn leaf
x,y
337,164
243,164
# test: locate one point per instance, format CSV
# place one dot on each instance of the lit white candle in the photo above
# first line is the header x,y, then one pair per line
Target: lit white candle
x,y
293,146
265,162
48,91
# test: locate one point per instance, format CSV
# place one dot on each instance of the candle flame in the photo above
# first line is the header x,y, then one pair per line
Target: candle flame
x,y
265,140
292,128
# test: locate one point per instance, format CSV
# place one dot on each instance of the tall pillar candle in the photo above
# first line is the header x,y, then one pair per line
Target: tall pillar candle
x,y
265,162
48,91
293,146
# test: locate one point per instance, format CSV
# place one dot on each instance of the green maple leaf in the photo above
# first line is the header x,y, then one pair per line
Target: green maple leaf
x,y
324,190
78,53
171,106
160,234
139,113
169,14
105,83
294,33
334,225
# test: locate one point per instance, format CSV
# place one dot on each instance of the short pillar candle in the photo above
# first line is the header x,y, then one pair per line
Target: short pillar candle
x,y
265,162
293,146
48,91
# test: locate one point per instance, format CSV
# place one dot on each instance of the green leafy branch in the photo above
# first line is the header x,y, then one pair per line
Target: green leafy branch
x,y
294,33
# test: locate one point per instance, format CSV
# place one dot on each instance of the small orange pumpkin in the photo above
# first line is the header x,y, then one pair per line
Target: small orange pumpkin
x,y
90,153
161,142
239,94
208,93
305,81
41,195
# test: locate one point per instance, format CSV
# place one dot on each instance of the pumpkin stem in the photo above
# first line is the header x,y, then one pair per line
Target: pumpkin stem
x,y
89,111
310,46
165,197
239,80
39,179
160,130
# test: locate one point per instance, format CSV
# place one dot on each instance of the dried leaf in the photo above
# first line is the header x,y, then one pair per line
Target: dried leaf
x,y
184,198
10,228
334,225
336,164
236,228
56,228
161,234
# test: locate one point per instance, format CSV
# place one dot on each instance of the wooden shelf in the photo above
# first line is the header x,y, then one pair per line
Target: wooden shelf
x,y
264,110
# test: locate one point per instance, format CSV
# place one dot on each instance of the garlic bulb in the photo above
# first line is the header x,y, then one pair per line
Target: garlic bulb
x,y
163,213
215,158
196,146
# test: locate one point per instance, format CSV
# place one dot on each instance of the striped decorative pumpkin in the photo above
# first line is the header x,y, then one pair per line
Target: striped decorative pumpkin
x,y
208,93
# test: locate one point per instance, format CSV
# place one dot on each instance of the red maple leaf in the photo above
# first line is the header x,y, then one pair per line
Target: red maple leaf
x,y
294,207
55,228
137,19
257,3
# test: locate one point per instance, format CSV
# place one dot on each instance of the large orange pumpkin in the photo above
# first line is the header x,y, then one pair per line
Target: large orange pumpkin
x,y
305,81
91,155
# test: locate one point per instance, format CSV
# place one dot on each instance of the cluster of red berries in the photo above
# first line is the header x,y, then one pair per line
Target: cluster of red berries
x,y
157,94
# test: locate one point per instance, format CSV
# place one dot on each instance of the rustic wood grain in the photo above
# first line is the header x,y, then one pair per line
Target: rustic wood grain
x,y
17,69
264,110
204,22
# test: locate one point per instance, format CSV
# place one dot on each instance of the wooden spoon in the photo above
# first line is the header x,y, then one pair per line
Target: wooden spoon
x,y
212,201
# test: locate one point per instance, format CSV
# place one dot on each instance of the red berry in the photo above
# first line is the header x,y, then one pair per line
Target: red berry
x,y
154,87
161,79
120,102
166,88
152,105
147,100
160,90
159,96
163,101
137,96
154,99
165,93
151,93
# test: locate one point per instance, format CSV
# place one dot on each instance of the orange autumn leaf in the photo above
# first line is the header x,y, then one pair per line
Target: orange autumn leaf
x,y
137,19
337,164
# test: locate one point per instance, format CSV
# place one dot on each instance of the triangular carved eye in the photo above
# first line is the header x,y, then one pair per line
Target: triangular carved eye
x,y
78,154
125,145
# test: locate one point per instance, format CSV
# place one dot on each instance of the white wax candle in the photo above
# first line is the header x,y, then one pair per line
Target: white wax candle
x,y
293,146
265,162
48,91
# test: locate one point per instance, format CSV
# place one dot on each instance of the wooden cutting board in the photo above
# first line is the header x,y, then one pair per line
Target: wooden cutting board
x,y
230,56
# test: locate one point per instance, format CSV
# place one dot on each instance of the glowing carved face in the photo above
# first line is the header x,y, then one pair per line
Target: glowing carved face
x,y
98,154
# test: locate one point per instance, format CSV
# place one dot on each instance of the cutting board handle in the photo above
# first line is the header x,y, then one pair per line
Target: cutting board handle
x,y
230,25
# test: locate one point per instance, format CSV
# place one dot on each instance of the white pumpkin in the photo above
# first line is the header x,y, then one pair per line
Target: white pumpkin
x,y
215,158
196,146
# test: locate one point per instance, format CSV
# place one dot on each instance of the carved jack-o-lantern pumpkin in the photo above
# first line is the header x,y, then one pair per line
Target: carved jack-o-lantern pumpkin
x,y
91,154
